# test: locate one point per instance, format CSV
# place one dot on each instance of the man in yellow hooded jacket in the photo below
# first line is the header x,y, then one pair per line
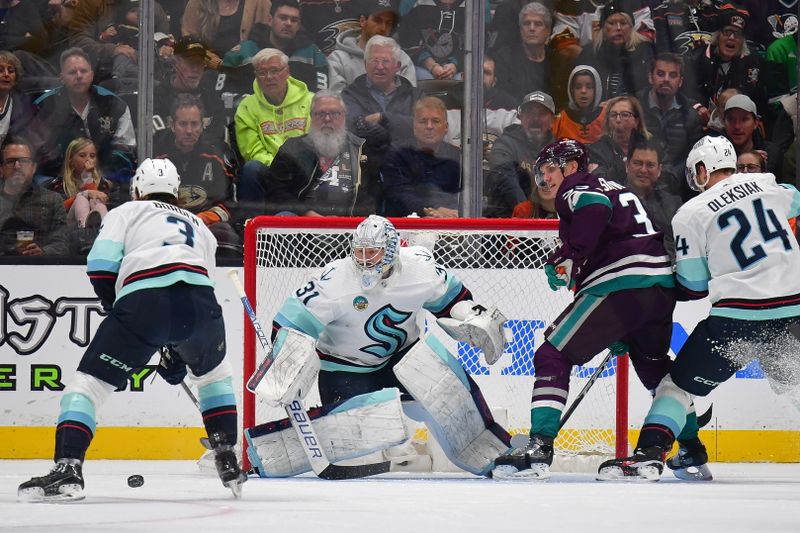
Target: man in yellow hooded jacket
x,y
278,109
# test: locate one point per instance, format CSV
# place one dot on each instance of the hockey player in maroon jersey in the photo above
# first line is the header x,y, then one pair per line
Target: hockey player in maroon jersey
x,y
615,262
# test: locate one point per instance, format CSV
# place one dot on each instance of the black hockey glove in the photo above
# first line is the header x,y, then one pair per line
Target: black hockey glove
x,y
171,367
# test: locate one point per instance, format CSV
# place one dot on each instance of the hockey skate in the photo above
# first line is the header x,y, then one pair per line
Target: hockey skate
x,y
530,462
64,483
227,465
691,462
646,464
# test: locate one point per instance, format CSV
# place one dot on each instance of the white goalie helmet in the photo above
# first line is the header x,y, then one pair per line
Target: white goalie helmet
x,y
374,249
715,153
155,176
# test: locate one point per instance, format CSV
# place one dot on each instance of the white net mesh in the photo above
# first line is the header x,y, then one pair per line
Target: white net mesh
x,y
501,267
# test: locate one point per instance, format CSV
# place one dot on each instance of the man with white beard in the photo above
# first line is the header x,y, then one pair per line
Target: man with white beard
x,y
324,172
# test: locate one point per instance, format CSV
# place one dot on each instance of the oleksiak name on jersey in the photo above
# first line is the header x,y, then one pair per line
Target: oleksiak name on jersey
x,y
730,196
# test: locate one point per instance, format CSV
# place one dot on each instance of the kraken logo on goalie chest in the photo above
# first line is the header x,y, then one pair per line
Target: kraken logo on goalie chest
x,y
360,303
382,327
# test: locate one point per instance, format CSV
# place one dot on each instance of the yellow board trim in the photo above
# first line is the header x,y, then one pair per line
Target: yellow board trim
x,y
724,446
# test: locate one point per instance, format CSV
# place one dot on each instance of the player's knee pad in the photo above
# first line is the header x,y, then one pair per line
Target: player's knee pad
x,y
82,389
454,409
550,363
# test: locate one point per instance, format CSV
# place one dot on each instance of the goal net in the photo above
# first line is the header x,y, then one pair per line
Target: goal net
x,y
502,263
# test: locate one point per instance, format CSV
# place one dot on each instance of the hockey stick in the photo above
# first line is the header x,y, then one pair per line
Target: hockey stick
x,y
585,390
298,416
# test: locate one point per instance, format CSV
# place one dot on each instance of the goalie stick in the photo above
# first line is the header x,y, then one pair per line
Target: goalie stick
x,y
296,411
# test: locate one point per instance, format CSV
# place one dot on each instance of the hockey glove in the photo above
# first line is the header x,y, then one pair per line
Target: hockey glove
x,y
477,326
559,269
171,367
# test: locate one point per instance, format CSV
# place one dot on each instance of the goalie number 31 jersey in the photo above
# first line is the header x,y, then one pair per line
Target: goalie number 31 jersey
x,y
733,242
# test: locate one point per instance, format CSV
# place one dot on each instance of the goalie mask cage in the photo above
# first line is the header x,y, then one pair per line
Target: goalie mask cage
x,y
502,263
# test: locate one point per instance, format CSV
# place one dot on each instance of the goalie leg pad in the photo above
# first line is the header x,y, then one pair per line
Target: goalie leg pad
x,y
293,371
356,427
455,410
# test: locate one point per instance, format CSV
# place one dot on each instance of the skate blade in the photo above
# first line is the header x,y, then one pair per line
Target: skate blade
x,y
236,486
645,474
69,493
537,472
693,473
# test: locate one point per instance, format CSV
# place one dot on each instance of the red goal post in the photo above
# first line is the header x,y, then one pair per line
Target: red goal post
x,y
501,261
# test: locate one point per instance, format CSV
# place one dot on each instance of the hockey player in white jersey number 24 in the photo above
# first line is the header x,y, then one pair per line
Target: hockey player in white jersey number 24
x,y
353,328
150,266
735,246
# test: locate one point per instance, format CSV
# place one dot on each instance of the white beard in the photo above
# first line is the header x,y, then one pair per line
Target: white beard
x,y
328,144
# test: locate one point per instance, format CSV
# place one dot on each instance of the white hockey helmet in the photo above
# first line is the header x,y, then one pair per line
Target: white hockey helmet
x,y
715,153
374,249
155,176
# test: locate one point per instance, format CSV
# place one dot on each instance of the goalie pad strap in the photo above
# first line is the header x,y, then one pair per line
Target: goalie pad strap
x,y
356,427
457,413
294,369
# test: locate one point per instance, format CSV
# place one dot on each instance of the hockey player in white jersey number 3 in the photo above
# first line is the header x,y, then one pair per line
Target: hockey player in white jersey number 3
x,y
735,246
359,315
150,266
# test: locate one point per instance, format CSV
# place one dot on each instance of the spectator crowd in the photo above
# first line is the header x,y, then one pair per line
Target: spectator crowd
x,y
353,107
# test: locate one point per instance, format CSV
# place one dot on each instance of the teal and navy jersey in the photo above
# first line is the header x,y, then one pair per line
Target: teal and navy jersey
x,y
147,244
733,242
605,230
358,330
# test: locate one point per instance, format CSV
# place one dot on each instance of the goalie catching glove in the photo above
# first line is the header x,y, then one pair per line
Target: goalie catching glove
x,y
477,326
292,371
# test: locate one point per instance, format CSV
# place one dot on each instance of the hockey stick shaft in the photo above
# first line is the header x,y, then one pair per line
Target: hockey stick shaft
x,y
579,398
296,411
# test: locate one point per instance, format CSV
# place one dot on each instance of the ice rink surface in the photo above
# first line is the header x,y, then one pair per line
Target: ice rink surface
x,y
178,497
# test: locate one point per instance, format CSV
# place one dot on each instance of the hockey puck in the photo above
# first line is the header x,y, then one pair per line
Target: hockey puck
x,y
135,481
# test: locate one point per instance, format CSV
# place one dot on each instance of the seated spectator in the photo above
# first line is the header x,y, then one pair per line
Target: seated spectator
x,y
433,35
743,129
118,60
644,180
726,63
576,23
80,109
32,219
750,162
423,174
525,66
277,110
622,128
511,161
346,62
684,25
16,110
715,118
325,20
323,172
540,204
505,16
621,55
493,96
206,183
40,52
223,24
583,118
306,61
22,18
380,104
676,121
184,74
84,191
781,67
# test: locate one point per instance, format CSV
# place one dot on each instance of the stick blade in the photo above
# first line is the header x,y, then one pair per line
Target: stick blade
x,y
337,472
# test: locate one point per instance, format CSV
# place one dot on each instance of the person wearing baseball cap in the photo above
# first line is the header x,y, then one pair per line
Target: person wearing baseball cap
x,y
511,161
743,128
726,63
346,62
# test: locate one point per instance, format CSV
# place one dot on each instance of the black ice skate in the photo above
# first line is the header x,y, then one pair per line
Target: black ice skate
x,y
227,464
646,464
63,483
691,462
530,462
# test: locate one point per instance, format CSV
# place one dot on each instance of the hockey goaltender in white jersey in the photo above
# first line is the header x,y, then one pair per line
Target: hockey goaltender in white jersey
x,y
359,315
